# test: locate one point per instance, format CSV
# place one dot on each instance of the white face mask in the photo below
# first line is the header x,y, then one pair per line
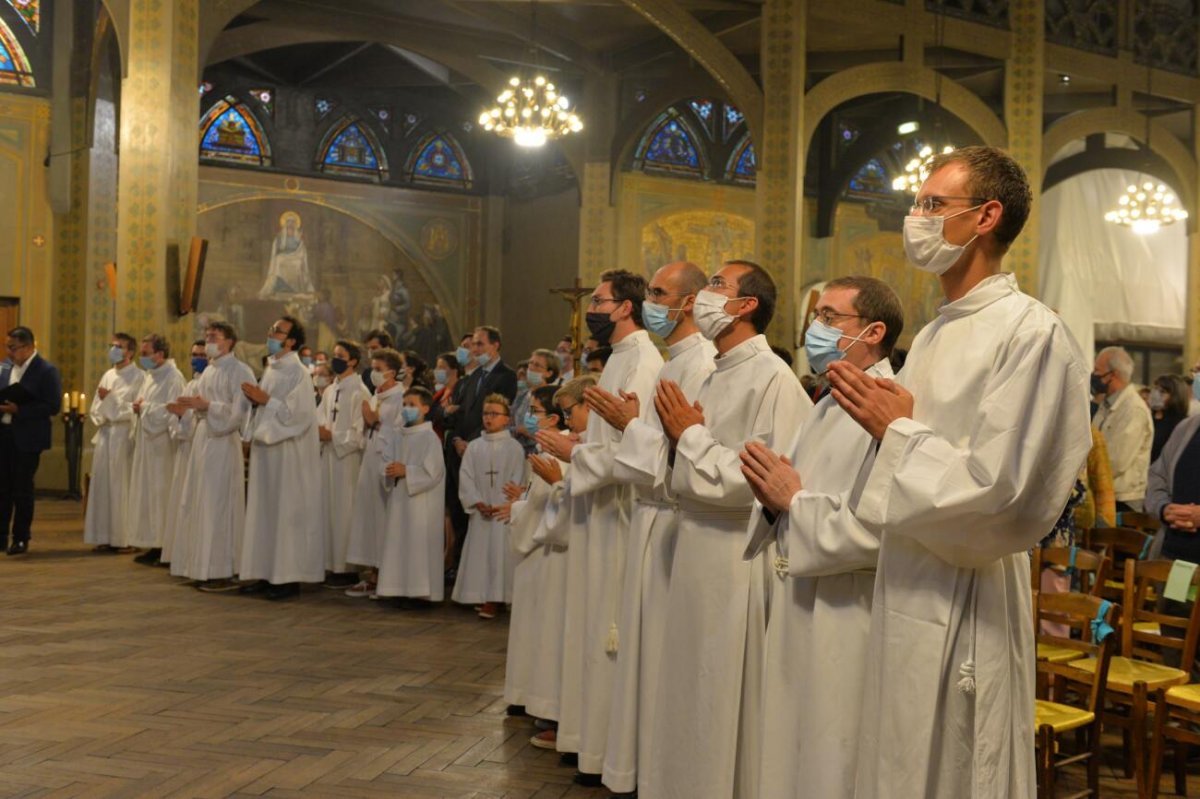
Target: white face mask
x,y
925,244
709,313
1158,400
321,381
212,349
378,378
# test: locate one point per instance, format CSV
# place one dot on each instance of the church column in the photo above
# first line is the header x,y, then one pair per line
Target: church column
x,y
1023,117
1191,319
158,170
781,153
597,215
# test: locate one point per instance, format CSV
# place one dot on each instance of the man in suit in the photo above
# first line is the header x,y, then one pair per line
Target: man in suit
x,y
491,376
24,433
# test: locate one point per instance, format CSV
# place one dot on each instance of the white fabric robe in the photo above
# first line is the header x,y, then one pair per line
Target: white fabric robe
x,y
549,561
340,412
960,493
529,595
284,537
704,741
491,461
150,497
642,462
209,539
597,560
818,610
369,518
412,563
112,457
181,429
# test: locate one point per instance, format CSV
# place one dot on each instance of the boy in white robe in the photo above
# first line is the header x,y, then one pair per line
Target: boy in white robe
x,y
283,544
705,736
215,481
153,450
490,462
981,438
104,523
410,565
181,426
368,519
642,463
819,607
595,589
343,438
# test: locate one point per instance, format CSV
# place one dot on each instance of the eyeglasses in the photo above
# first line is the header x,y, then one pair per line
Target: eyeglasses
x,y
567,410
16,347
718,282
828,317
596,302
654,295
493,414
934,203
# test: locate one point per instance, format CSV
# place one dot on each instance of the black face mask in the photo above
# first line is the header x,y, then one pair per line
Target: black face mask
x,y
1098,386
338,365
601,327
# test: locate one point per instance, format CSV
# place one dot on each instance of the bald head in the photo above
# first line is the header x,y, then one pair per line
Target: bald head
x,y
675,286
682,278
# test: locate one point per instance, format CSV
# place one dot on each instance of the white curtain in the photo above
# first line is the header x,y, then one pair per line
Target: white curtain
x,y
1105,280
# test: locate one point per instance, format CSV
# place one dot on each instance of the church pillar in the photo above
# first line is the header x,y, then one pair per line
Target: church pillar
x,y
158,170
597,215
780,154
1191,319
1023,117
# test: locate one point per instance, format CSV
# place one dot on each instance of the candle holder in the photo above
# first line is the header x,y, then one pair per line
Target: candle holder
x,y
72,417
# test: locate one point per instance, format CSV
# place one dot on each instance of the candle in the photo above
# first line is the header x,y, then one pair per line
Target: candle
x,y
66,402
82,401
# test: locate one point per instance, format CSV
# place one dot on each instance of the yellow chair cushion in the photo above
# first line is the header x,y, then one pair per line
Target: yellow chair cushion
x,y
1060,717
1186,696
1058,654
1152,627
1123,672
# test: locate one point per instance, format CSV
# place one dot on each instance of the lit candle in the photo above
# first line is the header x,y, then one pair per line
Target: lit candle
x,y
66,402
82,401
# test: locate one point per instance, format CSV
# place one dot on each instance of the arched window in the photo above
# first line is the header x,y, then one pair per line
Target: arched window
x,y
870,182
439,160
706,113
731,121
14,66
230,132
670,147
350,148
30,11
742,166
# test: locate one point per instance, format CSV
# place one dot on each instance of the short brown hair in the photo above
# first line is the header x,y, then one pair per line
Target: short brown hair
x,y
421,393
758,284
225,329
875,301
627,286
498,399
573,389
551,359
993,174
158,343
390,357
492,333
127,341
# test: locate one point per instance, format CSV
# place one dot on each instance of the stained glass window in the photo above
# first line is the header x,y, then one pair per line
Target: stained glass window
x,y
871,180
704,110
670,147
230,132
266,98
205,88
350,148
322,106
438,159
732,119
383,115
743,166
847,135
14,67
30,11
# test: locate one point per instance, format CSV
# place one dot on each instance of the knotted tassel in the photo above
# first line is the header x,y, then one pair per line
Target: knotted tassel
x,y
613,641
967,672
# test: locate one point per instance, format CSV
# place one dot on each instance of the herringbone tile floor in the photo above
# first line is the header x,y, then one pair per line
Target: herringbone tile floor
x,y
116,680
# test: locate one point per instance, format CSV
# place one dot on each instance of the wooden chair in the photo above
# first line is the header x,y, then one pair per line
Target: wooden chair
x,y
1139,670
1138,521
1087,688
1180,704
1090,567
1118,544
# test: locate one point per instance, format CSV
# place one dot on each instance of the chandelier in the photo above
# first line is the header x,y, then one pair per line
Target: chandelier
x,y
1145,207
917,169
531,112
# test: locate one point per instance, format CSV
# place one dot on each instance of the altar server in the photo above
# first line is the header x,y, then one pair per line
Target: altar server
x,y
181,426
343,437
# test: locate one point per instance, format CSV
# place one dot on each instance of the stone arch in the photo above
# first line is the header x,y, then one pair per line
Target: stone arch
x,y
893,77
1125,120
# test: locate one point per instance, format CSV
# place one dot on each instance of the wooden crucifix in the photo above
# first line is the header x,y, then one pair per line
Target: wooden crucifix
x,y
574,295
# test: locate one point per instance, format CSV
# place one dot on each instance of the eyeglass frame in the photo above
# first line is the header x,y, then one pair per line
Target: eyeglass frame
x,y
920,207
827,316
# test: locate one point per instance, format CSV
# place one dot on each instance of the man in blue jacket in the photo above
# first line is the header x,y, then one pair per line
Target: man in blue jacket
x,y
24,433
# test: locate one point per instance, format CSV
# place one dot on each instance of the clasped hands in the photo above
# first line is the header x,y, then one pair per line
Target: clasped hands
x,y
184,404
1185,518
873,402
771,477
255,394
618,411
674,410
502,513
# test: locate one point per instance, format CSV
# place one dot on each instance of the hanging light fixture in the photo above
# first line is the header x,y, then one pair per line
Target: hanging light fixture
x,y
531,111
917,168
1146,206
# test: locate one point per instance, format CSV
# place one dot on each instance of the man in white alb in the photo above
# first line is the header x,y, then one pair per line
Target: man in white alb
x,y
981,437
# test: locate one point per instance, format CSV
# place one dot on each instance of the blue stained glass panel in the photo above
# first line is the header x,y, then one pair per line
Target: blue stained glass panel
x,y
350,148
733,116
672,146
230,133
747,164
439,161
6,60
871,178
703,108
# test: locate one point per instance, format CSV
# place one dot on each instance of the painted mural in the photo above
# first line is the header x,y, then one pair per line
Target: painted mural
x,y
706,238
339,276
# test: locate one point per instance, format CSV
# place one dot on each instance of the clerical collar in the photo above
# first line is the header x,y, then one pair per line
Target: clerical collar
x,y
497,436
126,366
416,428
631,341
981,295
744,351
685,344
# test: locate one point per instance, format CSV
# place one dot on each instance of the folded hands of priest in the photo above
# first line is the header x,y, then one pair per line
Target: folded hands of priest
x,y
554,444
674,410
617,411
873,402
771,476
255,394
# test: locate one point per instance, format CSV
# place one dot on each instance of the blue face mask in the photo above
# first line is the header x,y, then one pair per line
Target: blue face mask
x,y
1196,387
199,364
115,354
657,319
410,414
535,379
146,362
463,355
821,345
483,359
440,376
522,386
274,346
531,423
306,360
